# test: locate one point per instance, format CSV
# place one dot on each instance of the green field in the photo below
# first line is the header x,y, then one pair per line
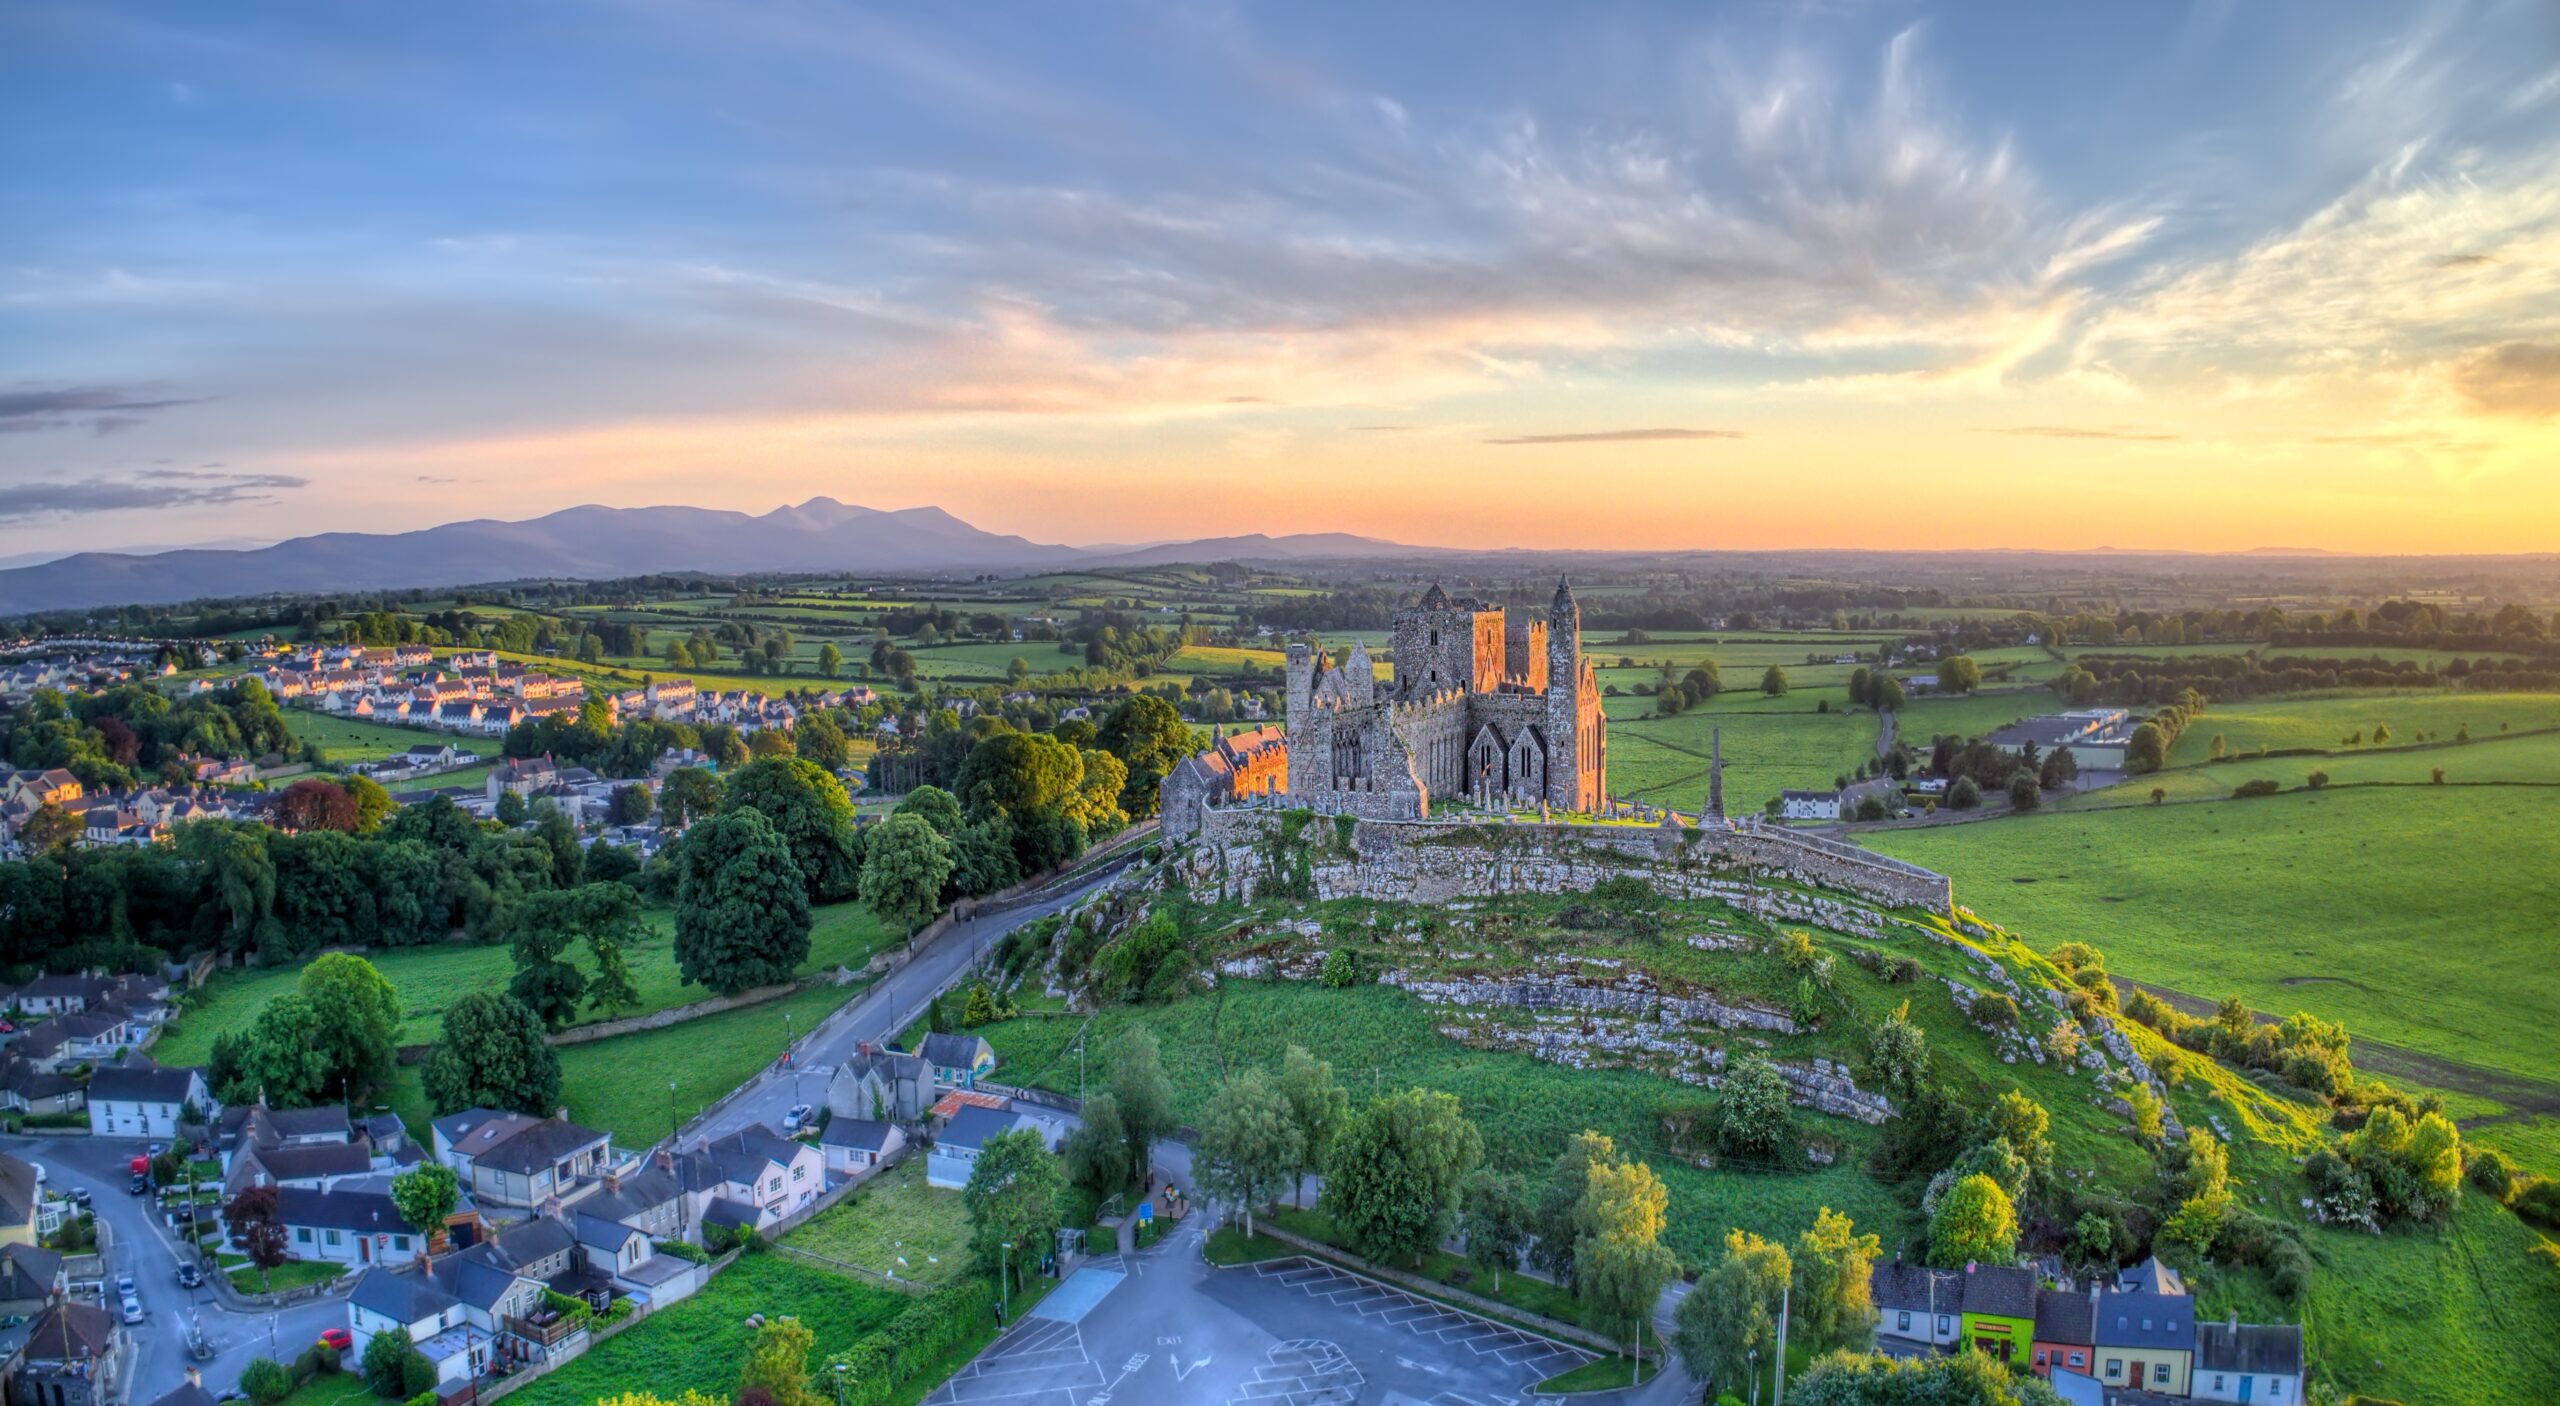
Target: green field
x,y
344,740
2503,759
1769,745
698,1344
2326,723
428,979
895,1217
2418,915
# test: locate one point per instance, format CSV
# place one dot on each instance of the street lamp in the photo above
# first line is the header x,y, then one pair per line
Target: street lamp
x,y
838,1371
1754,1355
1004,1283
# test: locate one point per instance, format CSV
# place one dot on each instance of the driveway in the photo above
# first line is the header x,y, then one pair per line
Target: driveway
x,y
140,1246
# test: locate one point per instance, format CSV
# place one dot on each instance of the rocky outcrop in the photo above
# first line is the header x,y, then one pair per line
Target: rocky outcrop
x,y
1631,995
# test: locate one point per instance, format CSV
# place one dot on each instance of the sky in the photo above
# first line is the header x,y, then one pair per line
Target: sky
x,y
2210,277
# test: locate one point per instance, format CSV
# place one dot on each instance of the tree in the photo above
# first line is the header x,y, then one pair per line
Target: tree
x,y
688,794
1885,693
1834,1300
394,1367
1964,794
50,829
819,741
1150,738
742,909
1619,1261
1733,1313
355,1024
1495,1218
510,810
1143,1093
2025,793
776,1368
1974,1222
1392,1181
2147,750
2017,1119
1773,681
426,1194
1557,1218
1018,773
280,1057
810,810
266,1381
493,1056
1873,1379
1958,674
1013,1195
1318,1105
2148,1123
1249,1144
256,1230
830,660
545,924
904,866
630,805
1097,1151
1752,1119
1898,1054
316,803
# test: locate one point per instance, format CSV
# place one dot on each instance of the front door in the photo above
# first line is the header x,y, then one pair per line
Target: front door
x,y
2135,1377
2246,1382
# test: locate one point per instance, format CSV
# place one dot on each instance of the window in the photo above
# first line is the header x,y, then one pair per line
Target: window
x,y
2160,1373
2042,1358
1945,1324
399,1242
774,1185
799,1174
1902,1321
302,1234
2079,1359
334,1237
2217,1381
2115,1366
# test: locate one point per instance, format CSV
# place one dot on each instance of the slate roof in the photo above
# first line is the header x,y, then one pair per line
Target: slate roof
x,y
475,1277
258,1123
724,1211
951,1051
187,1394
18,1191
141,1082
2065,1317
970,1128
1907,1287
860,1134
70,1332
598,1233
364,1212
28,1271
319,1159
2003,1291
537,1239
534,1148
2258,1349
640,1193
404,1295
742,1156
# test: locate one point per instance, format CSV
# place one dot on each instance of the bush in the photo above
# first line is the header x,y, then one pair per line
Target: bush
x,y
2024,792
1341,968
266,1381
885,1365
2256,787
1963,795
2538,1200
2317,781
320,1359
2489,1170
682,1250
1995,1011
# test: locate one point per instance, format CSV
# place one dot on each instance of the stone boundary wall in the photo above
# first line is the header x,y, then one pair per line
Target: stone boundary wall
x,y
1436,861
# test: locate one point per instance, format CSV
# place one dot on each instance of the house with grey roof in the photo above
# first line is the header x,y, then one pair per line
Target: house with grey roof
x,y
855,1147
20,1194
883,1084
957,1146
519,1161
958,1061
2248,1362
1919,1309
2146,1330
140,1099
30,1277
437,1325
352,1223
755,1168
73,1356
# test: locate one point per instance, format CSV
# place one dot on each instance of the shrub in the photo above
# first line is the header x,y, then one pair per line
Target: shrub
x,y
2255,787
1900,970
1995,1011
1341,968
1963,795
266,1381
2538,1200
2489,1170
317,1359
2317,781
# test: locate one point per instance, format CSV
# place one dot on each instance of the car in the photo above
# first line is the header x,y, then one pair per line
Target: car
x,y
337,1339
81,1198
189,1276
141,1183
156,1149
132,1309
797,1118
125,1286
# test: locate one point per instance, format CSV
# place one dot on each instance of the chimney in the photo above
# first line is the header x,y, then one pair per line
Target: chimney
x,y
666,1159
194,1377
560,1114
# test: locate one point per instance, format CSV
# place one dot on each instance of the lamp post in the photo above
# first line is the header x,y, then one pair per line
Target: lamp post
x,y
1755,1376
838,1373
1004,1283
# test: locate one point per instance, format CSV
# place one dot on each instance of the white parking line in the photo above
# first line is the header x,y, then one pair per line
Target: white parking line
x,y
1425,1318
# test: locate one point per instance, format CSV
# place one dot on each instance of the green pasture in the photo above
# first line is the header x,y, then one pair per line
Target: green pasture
x,y
2325,723
1769,745
2416,914
894,1217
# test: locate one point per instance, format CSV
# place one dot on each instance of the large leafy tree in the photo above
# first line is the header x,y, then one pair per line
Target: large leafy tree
x,y
819,741
905,864
1834,1299
1249,1144
279,1059
1974,1221
812,813
1018,773
1014,1196
688,794
1149,737
355,1023
1873,1379
316,803
426,1194
1752,1119
1732,1313
1143,1093
1496,1219
493,1056
606,917
256,1228
1557,1216
1392,1182
1619,1261
1317,1104
742,909
1097,1151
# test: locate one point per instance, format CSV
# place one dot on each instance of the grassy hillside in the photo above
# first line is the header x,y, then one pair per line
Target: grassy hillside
x,y
2326,723
2418,915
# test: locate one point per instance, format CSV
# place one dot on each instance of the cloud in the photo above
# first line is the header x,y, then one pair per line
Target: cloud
x,y
1616,436
2124,433
2519,378
102,410
21,502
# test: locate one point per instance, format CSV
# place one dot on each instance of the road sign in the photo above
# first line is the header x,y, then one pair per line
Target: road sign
x,y
1146,1211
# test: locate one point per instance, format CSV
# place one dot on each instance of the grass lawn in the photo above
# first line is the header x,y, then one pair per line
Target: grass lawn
x,y
699,1344
2415,914
1600,1374
1968,716
344,740
292,1274
329,1388
2326,723
1228,1245
895,1218
621,1084
1769,745
2400,1315
428,979
2529,759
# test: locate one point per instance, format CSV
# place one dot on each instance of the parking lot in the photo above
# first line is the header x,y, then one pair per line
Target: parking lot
x,y
1164,1326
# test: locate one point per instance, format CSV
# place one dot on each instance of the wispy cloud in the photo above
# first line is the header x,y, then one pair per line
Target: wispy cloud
x,y
101,410
2124,433
25,501
2519,378
1615,436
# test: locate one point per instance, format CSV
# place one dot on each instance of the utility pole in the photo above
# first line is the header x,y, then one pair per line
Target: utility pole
x,y
1778,1393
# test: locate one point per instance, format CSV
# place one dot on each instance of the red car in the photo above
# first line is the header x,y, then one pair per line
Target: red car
x,y
336,1339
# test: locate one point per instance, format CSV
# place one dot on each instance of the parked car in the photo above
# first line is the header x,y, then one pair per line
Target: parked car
x,y
337,1339
188,1275
796,1119
81,1198
125,1286
132,1309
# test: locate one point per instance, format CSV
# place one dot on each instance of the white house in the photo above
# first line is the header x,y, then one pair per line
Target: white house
x,y
516,1159
354,1222
1808,805
853,1147
385,1299
754,1169
142,1099
2251,1362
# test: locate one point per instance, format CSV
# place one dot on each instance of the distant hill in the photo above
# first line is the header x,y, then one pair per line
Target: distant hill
x,y
599,543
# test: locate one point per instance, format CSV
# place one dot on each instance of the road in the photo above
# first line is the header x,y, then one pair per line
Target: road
x,y
141,1247
880,1014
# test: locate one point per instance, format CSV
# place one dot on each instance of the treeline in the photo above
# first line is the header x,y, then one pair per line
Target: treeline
x,y
112,738
2127,679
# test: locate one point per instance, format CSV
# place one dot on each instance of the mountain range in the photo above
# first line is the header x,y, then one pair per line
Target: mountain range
x,y
599,543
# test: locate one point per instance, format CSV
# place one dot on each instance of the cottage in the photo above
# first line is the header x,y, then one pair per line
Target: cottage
x,y
881,1084
2146,1330
1917,1307
2066,1332
1999,1311
353,1223
754,1168
517,1160
956,1147
2248,1362
854,1147
957,1061
142,1099
433,1318
1808,805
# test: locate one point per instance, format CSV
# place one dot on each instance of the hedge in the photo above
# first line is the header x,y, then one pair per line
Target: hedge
x,y
882,1363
